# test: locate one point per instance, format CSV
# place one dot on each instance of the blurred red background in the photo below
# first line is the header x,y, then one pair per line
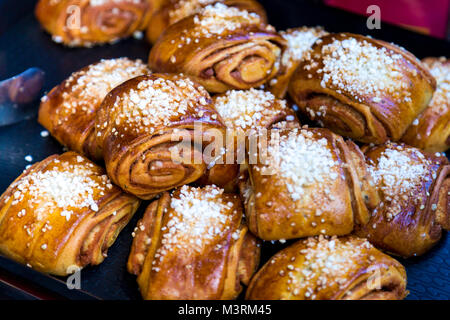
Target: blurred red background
x,y
425,16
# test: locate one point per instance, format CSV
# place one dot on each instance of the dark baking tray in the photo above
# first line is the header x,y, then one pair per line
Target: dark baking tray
x,y
24,45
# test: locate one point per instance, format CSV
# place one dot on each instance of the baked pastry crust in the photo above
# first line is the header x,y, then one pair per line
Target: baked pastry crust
x,y
414,190
175,10
82,23
361,88
346,268
62,213
192,244
309,183
251,110
145,128
299,41
221,48
68,111
430,131
246,114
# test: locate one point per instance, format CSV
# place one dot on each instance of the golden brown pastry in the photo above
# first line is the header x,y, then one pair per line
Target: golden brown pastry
x,y
245,114
299,41
307,182
414,189
68,111
61,213
146,129
251,110
248,114
323,268
361,88
431,129
174,10
192,244
221,174
77,23
221,48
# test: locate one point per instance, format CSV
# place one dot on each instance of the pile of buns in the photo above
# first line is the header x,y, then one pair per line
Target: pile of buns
x,y
209,132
